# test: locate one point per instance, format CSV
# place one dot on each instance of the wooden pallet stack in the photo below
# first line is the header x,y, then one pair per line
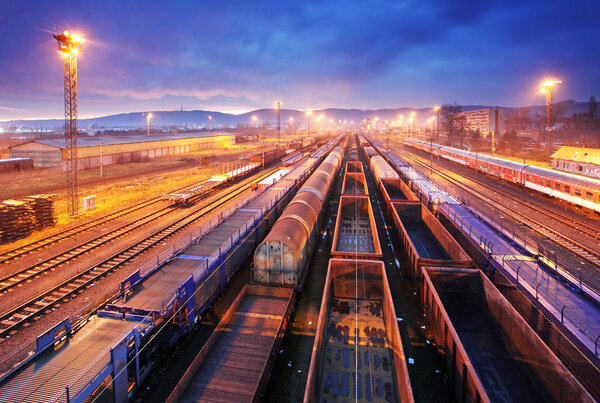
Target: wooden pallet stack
x,y
16,219
43,209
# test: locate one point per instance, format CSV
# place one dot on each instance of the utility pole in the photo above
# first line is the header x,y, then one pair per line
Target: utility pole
x,y
101,159
308,115
70,46
437,118
278,108
547,88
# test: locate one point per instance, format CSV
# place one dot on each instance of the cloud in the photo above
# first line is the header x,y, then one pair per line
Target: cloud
x,y
364,54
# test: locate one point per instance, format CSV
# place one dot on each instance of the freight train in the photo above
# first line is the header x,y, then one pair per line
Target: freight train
x,y
579,190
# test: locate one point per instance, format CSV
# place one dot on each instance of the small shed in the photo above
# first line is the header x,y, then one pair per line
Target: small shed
x,y
578,160
15,164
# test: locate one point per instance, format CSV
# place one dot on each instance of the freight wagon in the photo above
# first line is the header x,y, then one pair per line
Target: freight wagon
x,y
490,352
357,345
425,240
283,255
355,235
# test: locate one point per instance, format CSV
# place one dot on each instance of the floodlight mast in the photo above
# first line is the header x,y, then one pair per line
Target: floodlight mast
x,y
70,46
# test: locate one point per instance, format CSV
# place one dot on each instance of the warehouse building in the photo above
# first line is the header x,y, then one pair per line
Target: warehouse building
x,y
578,160
119,150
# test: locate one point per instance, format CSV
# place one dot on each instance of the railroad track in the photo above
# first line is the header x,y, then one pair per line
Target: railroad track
x,y
21,251
580,226
585,253
36,307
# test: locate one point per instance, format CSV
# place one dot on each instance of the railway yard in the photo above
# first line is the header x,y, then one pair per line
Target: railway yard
x,y
361,268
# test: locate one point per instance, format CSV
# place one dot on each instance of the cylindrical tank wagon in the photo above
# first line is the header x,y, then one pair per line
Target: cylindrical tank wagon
x,y
281,258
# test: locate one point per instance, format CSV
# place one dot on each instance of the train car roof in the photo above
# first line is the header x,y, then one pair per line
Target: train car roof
x,y
565,177
505,163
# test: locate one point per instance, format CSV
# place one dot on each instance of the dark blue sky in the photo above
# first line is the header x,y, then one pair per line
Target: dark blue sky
x,y
237,56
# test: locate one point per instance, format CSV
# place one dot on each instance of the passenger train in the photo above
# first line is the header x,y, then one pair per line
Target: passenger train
x,y
572,188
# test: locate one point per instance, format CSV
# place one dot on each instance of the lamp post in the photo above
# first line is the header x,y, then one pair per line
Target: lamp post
x,y
208,124
437,118
148,117
254,119
278,109
547,88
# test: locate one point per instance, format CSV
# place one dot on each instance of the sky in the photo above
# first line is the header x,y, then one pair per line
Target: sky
x,y
236,56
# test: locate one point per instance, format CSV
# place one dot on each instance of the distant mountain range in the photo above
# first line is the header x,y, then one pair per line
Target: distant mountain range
x,y
199,118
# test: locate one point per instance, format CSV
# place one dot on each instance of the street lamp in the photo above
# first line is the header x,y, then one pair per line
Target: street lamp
x,y
148,117
278,109
209,119
254,119
69,46
437,117
308,114
547,88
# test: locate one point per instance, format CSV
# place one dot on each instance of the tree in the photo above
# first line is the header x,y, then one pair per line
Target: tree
x,y
593,109
517,119
510,143
474,139
448,116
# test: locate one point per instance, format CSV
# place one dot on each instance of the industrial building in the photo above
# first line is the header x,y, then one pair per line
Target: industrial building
x,y
578,160
94,151
487,121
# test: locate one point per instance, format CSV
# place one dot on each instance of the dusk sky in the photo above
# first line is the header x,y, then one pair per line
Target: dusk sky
x,y
238,56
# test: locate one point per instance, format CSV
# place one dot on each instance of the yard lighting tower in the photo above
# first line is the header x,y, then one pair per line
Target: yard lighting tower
x,y
547,88
69,47
278,108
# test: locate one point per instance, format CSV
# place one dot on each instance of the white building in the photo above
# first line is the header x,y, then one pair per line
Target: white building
x,y
486,121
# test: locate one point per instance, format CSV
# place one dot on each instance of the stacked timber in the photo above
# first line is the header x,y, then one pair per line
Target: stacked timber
x,y
19,218
43,210
16,220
